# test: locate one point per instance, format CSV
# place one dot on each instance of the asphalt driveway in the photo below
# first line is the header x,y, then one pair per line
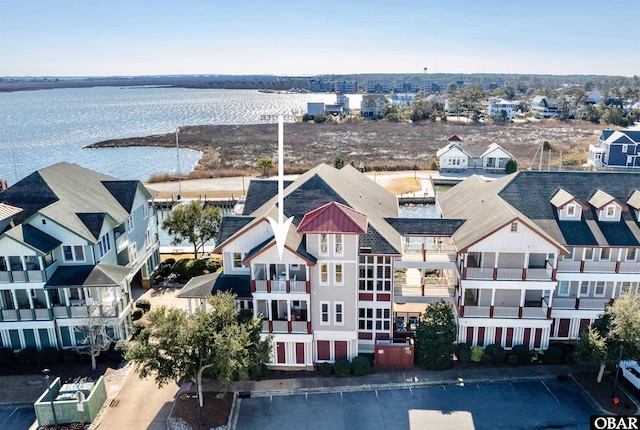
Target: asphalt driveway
x,y
521,405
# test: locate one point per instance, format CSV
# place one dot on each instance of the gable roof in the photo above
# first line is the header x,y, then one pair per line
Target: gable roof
x,y
37,239
634,200
333,218
259,192
100,275
449,147
7,211
528,195
600,199
454,138
199,287
494,147
64,190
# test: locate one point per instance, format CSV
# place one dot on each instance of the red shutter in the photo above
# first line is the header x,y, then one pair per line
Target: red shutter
x,y
280,349
563,327
470,335
527,336
508,342
341,349
480,336
324,350
498,335
537,339
300,353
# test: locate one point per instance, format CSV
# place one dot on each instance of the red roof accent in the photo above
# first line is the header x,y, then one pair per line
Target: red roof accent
x,y
454,138
333,218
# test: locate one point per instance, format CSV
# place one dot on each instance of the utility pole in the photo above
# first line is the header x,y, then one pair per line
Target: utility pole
x,y
178,157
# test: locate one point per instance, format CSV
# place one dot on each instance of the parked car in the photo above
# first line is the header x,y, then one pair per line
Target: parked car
x,y
631,372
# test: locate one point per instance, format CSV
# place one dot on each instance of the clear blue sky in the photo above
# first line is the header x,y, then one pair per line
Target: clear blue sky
x,y
154,37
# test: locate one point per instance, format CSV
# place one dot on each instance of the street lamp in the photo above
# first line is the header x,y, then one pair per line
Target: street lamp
x,y
178,157
53,409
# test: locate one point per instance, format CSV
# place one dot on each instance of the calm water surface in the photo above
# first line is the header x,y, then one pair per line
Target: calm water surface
x,y
40,128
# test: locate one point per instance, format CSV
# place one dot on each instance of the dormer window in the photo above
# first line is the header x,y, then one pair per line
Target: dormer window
x,y
571,210
610,211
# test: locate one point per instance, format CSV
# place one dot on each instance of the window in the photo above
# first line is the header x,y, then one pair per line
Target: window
x,y
605,253
73,253
588,254
237,260
129,223
133,252
569,256
611,211
365,319
599,290
338,280
339,313
374,270
105,244
324,244
584,288
571,210
514,226
324,313
624,149
145,210
563,289
631,254
147,239
338,245
382,319
324,274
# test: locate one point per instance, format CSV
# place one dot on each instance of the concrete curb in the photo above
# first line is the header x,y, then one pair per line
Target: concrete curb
x,y
235,411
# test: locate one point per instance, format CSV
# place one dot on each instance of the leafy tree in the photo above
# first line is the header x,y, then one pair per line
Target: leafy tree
x,y
265,163
194,222
175,345
452,88
509,92
338,162
618,327
435,337
511,166
92,329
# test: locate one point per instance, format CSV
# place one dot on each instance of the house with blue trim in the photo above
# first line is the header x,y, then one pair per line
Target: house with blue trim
x,y
615,148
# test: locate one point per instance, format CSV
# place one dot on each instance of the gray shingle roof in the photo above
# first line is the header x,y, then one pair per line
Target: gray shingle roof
x,y
231,225
35,238
240,285
259,192
100,275
199,286
425,226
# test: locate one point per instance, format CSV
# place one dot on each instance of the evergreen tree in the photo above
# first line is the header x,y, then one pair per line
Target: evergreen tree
x,y
435,337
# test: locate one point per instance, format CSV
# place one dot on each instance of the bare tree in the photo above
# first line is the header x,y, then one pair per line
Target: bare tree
x,y
93,332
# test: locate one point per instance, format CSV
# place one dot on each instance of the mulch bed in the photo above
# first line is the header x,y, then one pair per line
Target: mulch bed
x,y
602,393
215,411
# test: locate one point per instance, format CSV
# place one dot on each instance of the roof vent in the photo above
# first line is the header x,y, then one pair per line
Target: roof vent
x,y
365,250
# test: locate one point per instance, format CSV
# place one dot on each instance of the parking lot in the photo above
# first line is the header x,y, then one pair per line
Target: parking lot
x,y
522,405
16,417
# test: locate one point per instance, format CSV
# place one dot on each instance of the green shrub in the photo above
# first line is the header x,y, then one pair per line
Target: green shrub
x,y
361,365
70,356
512,359
170,261
523,353
258,371
28,356
48,357
486,359
143,304
137,328
187,268
553,355
476,354
136,314
324,369
120,348
463,352
497,352
342,367
7,357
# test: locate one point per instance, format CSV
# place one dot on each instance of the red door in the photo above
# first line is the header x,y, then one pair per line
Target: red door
x,y
527,336
537,339
498,335
280,350
563,327
470,335
480,336
300,353
324,352
508,342
341,349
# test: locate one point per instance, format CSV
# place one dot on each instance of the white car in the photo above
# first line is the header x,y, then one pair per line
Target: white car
x,y
631,372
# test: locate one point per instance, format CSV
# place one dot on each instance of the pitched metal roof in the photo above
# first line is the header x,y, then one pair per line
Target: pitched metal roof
x,y
100,275
333,218
425,226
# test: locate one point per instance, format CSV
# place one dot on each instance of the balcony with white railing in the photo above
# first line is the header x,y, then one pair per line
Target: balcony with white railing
x,y
298,326
9,315
535,312
564,303
479,273
569,266
594,304
122,241
280,286
629,267
600,266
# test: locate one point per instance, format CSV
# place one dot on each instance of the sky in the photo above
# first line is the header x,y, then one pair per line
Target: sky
x,y
292,38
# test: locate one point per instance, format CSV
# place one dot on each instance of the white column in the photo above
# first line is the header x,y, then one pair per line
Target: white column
x,y
493,296
526,260
522,295
189,306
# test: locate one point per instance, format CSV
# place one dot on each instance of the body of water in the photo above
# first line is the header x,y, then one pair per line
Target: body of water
x,y
40,128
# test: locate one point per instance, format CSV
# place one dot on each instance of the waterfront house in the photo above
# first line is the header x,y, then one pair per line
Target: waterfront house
x,y
334,294
371,105
541,254
455,158
615,148
496,105
72,244
544,107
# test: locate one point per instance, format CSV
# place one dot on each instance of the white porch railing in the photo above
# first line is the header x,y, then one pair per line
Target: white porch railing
x,y
564,303
298,286
261,286
280,326
598,304
18,276
479,273
568,266
42,314
78,311
60,312
5,277
510,274
279,286
265,326
9,315
26,314
538,274
600,266
629,266
35,275
122,242
476,311
298,326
